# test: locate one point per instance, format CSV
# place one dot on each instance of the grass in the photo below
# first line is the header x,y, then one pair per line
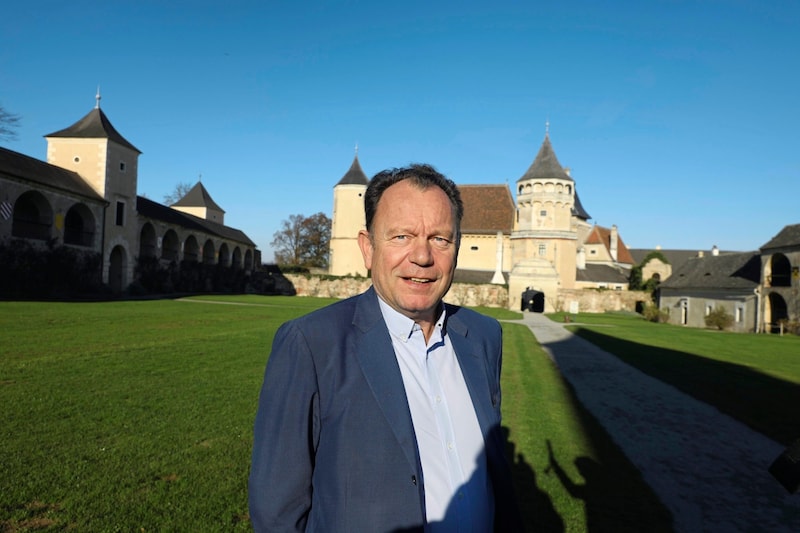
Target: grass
x,y
137,416
753,378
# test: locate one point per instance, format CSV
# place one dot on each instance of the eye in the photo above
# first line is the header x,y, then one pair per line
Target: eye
x,y
440,241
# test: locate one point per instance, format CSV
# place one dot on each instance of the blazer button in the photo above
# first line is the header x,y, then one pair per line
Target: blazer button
x,y
414,480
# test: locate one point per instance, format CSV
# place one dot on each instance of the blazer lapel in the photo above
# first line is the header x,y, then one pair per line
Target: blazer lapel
x,y
381,371
473,367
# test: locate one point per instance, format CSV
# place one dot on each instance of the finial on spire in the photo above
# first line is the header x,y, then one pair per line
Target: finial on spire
x,y
97,98
356,148
547,127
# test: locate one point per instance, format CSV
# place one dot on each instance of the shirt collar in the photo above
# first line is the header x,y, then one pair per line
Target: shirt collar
x,y
402,327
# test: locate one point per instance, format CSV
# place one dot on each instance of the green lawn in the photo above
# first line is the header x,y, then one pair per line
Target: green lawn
x,y
137,416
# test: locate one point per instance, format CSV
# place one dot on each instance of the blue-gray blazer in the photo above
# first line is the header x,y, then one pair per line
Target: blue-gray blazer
x,y
334,446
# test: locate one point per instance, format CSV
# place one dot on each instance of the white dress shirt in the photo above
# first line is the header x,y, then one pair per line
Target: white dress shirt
x,y
458,495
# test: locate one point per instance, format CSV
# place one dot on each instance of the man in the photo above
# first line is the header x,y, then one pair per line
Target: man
x,y
382,412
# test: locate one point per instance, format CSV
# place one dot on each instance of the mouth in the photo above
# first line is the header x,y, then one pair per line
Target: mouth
x,y
420,280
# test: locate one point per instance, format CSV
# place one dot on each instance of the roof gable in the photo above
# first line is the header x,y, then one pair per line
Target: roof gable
x,y
95,125
602,236
487,209
198,196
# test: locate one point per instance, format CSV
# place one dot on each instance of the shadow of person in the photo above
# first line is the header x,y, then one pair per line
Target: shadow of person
x,y
536,507
607,507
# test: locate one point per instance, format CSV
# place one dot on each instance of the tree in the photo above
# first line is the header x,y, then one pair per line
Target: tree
x,y
9,122
719,318
179,192
303,241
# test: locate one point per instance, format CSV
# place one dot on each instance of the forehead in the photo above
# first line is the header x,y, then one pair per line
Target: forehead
x,y
407,196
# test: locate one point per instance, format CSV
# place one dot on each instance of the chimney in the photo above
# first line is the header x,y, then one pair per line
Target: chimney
x,y
614,243
580,262
715,251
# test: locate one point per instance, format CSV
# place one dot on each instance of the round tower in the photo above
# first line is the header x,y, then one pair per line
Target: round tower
x,y
347,220
545,231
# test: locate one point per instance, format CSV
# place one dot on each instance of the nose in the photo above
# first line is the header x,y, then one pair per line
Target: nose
x,y
421,253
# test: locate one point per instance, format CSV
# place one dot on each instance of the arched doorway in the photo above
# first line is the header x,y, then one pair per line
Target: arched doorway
x,y
33,217
775,312
79,226
117,269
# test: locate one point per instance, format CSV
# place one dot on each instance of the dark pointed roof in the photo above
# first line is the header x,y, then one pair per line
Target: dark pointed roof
x,y
198,197
578,210
354,176
95,125
150,209
20,166
546,165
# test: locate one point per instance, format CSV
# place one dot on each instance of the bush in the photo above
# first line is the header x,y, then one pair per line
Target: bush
x,y
652,313
719,318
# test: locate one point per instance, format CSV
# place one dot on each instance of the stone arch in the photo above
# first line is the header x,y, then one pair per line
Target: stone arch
x,y
776,310
79,226
117,269
236,258
224,255
191,250
148,243
780,271
170,246
33,217
208,252
248,259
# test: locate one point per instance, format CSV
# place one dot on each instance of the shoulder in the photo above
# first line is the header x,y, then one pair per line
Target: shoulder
x,y
461,316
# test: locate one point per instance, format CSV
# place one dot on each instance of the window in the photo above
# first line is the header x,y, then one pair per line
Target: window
x,y
739,313
543,213
473,248
542,250
709,308
76,159
120,214
122,166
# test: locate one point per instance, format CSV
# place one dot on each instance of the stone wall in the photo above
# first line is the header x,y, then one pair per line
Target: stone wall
x,y
600,300
473,295
466,294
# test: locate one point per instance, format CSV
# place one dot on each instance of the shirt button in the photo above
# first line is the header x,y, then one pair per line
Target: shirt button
x,y
449,445
438,399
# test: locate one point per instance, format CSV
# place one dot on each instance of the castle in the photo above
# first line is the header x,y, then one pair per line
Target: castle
x,y
85,198
539,244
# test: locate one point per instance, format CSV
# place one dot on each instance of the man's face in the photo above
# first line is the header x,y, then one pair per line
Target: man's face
x,y
413,248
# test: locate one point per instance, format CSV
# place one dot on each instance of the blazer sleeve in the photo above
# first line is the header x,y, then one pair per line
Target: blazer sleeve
x,y
285,438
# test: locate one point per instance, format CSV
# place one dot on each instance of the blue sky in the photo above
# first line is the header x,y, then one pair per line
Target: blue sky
x,y
678,119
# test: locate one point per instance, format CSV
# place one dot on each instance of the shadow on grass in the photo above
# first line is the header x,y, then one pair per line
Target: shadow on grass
x,y
613,493
765,403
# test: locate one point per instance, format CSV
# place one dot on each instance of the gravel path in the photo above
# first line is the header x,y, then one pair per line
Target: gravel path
x,y
708,469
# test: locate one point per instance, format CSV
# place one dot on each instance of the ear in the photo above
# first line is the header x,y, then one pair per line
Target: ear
x,y
365,243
